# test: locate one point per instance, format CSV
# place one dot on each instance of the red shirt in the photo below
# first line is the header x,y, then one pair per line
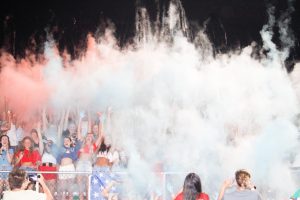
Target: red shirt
x,y
28,156
201,196
88,149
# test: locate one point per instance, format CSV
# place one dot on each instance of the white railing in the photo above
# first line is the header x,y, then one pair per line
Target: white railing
x,y
166,193
164,175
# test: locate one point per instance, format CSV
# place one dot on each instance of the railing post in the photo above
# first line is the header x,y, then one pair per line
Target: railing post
x,y
164,186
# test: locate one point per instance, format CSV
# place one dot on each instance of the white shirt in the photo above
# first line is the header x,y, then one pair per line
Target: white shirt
x,y
115,157
23,195
12,134
48,158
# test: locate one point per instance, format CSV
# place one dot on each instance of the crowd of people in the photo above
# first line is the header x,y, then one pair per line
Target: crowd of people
x,y
19,184
82,163
81,152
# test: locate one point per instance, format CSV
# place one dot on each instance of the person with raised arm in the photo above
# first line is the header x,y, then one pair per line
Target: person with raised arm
x,y
6,155
85,161
103,183
37,139
27,157
12,133
66,159
49,164
243,190
18,182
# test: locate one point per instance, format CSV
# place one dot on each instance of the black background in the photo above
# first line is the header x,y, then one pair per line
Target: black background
x,y
23,25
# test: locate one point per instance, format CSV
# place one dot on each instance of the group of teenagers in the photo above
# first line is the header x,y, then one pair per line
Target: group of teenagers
x,y
83,151
76,157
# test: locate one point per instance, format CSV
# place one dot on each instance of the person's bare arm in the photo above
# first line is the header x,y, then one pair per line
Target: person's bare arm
x,y
226,184
89,122
44,120
19,158
66,118
60,125
79,134
41,144
8,155
100,131
45,188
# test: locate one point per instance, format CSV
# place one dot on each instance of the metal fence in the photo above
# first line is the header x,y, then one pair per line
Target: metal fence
x,y
75,185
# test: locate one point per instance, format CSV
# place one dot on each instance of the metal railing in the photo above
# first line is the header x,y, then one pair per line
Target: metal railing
x,y
169,185
71,186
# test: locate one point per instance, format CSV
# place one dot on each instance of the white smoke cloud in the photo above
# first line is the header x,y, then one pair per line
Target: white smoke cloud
x,y
173,108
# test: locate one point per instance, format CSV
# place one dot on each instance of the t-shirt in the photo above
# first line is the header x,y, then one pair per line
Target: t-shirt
x,y
12,134
87,149
201,196
3,157
28,156
242,195
24,195
48,158
71,152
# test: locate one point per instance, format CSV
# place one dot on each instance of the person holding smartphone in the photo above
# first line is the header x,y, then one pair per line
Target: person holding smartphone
x,y
18,182
6,155
243,190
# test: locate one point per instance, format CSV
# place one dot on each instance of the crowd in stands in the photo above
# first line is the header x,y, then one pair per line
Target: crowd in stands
x,y
78,149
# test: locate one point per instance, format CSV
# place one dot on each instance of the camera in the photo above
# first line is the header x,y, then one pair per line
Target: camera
x,y
33,177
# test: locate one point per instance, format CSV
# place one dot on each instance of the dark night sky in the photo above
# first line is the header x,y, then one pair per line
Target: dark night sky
x,y
71,20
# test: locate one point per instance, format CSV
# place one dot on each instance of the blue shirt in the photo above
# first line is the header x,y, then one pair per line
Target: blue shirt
x,y
3,157
71,152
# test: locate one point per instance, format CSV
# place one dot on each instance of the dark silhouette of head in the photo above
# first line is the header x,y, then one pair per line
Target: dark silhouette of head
x,y
104,147
16,178
191,187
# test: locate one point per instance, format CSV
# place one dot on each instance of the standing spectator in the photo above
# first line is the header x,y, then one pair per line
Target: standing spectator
x,y
37,140
6,155
103,181
71,132
244,190
27,158
12,132
18,182
20,131
66,160
192,189
49,164
85,161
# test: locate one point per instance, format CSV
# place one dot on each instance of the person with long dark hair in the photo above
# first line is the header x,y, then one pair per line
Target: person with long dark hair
x,y
192,189
103,181
66,159
6,155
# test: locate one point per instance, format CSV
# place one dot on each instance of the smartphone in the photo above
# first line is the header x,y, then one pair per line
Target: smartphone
x,y
33,177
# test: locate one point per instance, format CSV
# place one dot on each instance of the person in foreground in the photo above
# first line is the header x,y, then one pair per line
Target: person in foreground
x,y
244,190
18,182
192,189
